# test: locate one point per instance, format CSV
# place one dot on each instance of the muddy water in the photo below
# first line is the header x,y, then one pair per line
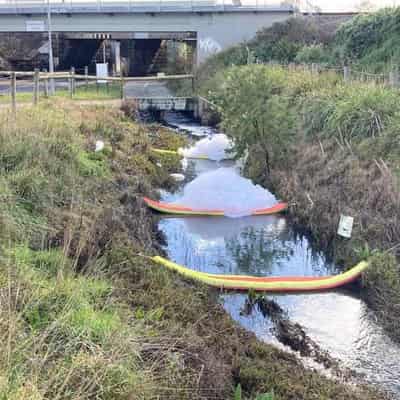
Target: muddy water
x,y
338,321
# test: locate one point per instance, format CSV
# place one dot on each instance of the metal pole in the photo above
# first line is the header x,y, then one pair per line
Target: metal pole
x,y
51,59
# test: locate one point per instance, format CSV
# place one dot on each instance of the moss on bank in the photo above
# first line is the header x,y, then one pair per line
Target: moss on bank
x,y
82,314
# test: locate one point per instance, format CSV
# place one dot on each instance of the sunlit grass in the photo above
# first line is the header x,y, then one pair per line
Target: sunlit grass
x,y
93,91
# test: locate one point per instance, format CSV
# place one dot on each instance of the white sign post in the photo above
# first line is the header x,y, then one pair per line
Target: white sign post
x,y
102,72
345,226
35,26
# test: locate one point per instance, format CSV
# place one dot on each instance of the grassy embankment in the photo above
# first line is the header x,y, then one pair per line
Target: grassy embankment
x,y
82,315
330,149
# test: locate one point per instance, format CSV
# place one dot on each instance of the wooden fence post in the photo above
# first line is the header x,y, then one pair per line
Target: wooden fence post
x,y
13,84
314,69
346,73
71,82
394,77
122,87
36,83
86,77
193,85
46,84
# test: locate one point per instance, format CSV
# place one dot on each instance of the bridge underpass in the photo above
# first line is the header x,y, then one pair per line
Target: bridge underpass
x,y
128,53
147,34
167,52
140,39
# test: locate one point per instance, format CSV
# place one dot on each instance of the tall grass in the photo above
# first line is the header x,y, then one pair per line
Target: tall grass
x,y
64,334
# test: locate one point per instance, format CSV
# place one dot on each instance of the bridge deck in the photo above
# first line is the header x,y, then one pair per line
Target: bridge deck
x,y
132,6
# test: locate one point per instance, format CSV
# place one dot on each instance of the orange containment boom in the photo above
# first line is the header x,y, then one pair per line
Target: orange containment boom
x,y
182,210
269,284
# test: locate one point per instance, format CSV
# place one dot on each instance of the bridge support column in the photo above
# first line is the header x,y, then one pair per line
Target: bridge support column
x,y
116,51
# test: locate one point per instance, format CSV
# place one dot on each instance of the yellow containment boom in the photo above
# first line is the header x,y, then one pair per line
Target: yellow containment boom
x,y
162,151
268,284
198,157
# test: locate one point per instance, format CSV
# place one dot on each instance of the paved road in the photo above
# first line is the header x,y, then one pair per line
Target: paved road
x,y
147,89
25,86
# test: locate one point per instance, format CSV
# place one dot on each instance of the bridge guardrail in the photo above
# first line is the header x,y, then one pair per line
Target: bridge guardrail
x,y
103,6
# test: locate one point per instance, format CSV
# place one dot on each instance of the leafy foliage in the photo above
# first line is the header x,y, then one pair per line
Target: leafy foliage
x,y
315,53
371,40
254,112
282,42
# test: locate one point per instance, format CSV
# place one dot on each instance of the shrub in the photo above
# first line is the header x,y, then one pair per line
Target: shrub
x,y
315,53
370,39
254,112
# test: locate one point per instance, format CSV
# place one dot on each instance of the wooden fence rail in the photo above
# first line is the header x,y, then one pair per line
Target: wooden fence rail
x,y
34,81
349,73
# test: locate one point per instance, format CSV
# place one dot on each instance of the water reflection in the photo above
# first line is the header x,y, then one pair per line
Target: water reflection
x,y
262,245
267,245
338,321
254,254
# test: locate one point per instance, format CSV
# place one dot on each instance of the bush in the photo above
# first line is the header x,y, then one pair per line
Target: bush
x,y
254,112
351,113
315,53
371,40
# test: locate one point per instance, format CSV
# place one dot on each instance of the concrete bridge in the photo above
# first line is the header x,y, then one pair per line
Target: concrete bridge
x,y
206,27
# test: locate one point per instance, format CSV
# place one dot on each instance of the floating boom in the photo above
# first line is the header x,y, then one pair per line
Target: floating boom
x,y
268,284
182,210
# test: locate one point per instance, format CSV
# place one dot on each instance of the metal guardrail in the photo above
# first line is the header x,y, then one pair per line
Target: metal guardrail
x,y
143,6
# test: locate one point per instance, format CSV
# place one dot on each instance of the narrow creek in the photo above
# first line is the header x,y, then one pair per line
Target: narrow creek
x,y
338,321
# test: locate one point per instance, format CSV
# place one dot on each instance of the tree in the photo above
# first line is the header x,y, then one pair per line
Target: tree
x,y
254,111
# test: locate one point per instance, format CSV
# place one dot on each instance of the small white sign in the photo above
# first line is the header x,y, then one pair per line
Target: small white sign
x,y
345,226
102,72
35,26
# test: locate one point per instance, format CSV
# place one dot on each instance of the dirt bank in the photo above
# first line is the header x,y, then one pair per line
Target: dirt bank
x,y
325,180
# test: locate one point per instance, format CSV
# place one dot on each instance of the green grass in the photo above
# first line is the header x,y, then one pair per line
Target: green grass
x,y
99,91
110,91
